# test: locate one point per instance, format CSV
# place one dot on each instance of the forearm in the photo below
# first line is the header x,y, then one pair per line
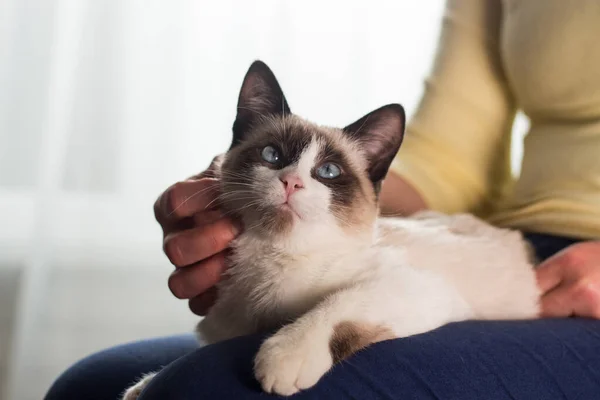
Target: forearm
x,y
399,198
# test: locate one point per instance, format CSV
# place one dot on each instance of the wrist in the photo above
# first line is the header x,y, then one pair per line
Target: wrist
x,y
399,198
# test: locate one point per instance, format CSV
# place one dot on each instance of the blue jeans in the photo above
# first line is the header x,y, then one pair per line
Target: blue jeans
x,y
542,359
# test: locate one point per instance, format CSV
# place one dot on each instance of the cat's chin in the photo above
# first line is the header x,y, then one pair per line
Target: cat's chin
x,y
288,210
274,221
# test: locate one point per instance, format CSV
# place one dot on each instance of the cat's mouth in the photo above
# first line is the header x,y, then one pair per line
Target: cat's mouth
x,y
287,208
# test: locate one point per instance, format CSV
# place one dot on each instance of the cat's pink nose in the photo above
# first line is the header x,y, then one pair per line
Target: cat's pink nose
x,y
291,183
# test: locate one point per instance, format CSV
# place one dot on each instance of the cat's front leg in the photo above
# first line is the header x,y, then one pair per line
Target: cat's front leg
x,y
300,353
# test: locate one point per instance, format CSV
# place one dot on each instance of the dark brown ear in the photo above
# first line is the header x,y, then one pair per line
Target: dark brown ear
x,y
380,135
260,96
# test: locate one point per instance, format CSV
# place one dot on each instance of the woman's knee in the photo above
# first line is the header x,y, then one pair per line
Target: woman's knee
x,y
218,371
105,375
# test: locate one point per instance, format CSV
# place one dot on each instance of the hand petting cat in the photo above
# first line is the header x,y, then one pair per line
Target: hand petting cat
x,y
570,282
196,236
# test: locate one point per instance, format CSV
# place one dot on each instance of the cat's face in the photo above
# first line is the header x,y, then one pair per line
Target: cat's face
x,y
291,173
284,175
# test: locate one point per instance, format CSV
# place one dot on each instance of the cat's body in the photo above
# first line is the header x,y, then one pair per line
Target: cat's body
x,y
268,287
316,263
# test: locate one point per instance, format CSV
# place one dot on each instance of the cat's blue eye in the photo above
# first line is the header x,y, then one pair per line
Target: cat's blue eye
x,y
270,154
329,171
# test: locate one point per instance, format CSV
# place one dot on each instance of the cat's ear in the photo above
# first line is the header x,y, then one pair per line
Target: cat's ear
x,y
260,96
380,135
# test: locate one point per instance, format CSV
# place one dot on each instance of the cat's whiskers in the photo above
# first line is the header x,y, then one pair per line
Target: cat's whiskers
x,y
211,187
233,173
237,178
234,191
254,226
241,184
211,203
246,195
246,206
235,194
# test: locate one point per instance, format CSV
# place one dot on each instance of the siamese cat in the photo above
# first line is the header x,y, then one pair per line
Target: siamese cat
x,y
316,263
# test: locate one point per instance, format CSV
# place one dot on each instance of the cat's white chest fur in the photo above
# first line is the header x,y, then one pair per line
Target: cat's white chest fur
x,y
265,287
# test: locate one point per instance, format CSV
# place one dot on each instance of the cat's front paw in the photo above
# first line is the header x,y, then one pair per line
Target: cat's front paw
x,y
134,391
287,362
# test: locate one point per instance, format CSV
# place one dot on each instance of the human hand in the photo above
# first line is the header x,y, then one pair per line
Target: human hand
x,y
196,236
570,282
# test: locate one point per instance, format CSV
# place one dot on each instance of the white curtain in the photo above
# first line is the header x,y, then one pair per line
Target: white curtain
x,y
104,103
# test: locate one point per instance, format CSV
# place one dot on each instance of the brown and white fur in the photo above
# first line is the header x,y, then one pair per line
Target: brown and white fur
x,y
317,264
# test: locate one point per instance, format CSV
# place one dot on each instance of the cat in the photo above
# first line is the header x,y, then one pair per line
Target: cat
x,y
317,264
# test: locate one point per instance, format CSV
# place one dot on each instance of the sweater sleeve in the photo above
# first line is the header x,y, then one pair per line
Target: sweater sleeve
x,y
456,151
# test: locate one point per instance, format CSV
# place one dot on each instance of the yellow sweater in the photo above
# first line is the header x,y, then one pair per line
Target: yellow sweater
x,y
494,57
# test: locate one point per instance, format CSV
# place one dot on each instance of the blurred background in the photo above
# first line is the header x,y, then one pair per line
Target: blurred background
x,y
103,104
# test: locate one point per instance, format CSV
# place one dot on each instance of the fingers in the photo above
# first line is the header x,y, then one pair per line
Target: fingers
x,y
185,199
201,304
570,284
192,245
587,297
557,303
195,234
550,273
581,298
190,282
555,283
